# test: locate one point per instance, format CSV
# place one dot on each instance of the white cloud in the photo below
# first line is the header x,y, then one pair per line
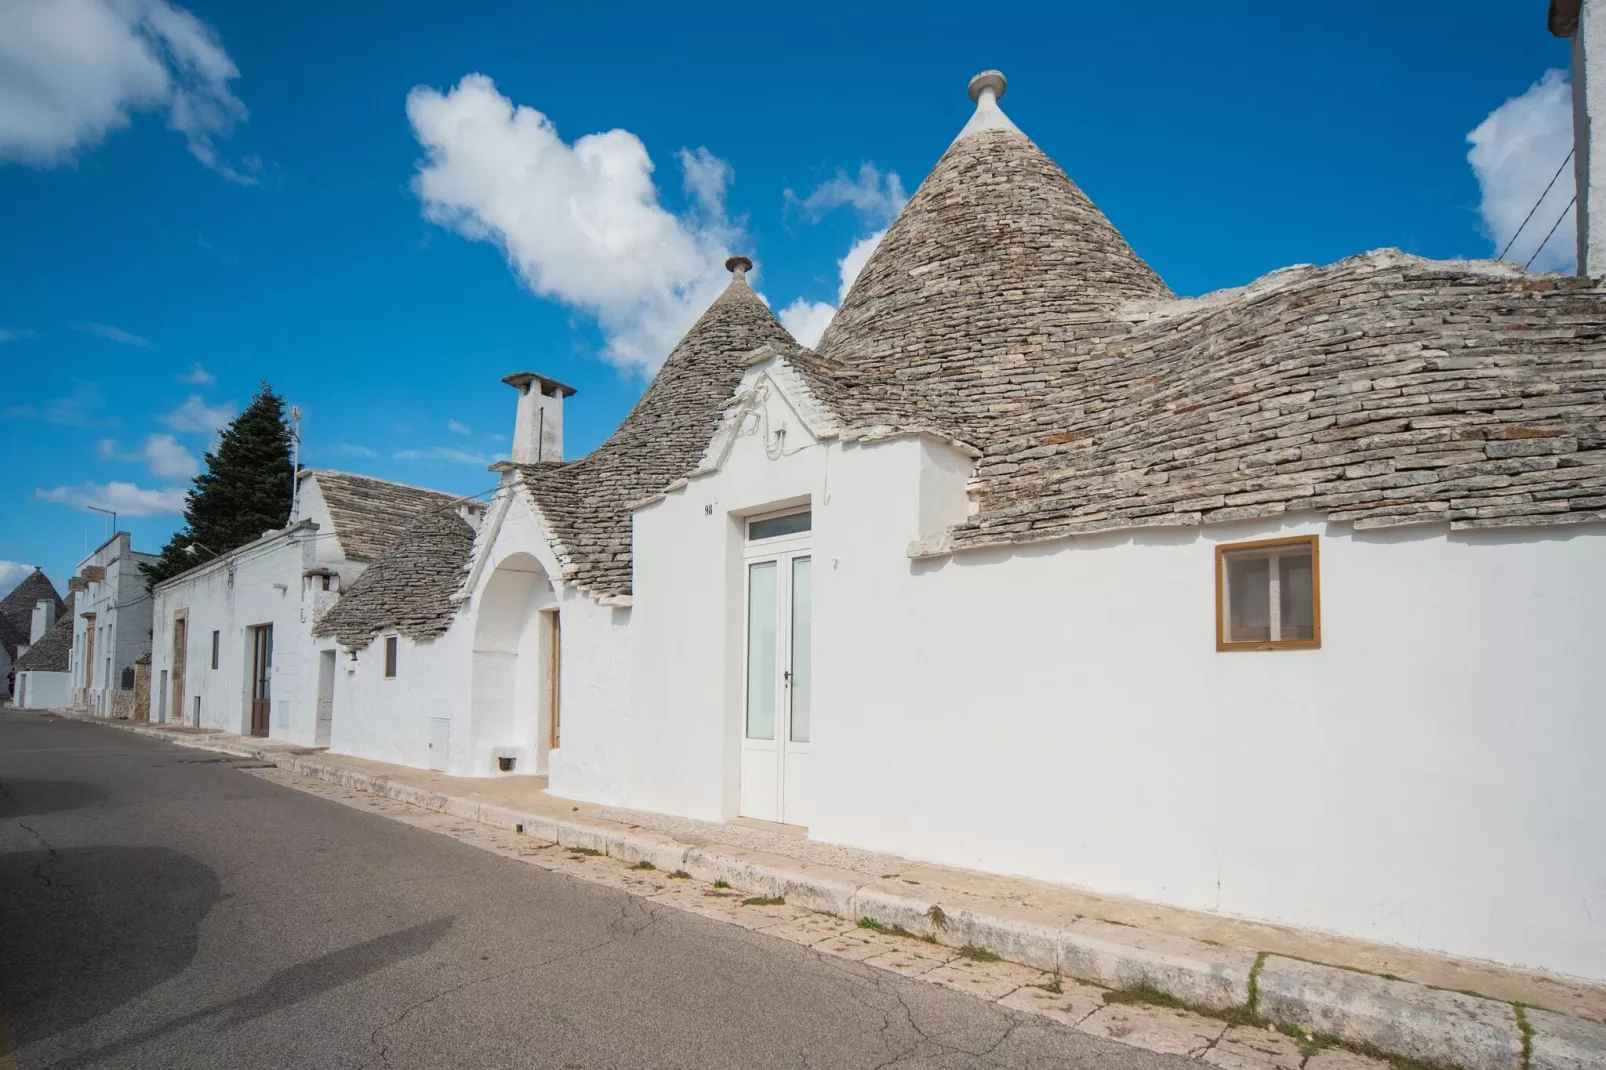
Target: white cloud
x,y
356,450
11,574
73,71
1515,153
198,376
458,427
706,178
195,415
806,320
579,223
162,454
80,408
125,499
169,460
875,195
442,453
116,334
19,335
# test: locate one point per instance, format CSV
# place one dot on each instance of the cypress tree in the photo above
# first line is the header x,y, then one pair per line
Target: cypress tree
x,y
243,491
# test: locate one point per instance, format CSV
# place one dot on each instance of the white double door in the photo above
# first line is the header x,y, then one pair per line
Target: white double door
x,y
775,723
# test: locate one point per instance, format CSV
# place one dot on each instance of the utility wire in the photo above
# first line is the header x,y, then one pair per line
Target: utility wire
x,y
1535,208
1559,218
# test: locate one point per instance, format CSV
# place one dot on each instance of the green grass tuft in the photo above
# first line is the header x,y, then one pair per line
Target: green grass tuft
x,y
644,864
722,884
680,875
765,901
977,954
589,852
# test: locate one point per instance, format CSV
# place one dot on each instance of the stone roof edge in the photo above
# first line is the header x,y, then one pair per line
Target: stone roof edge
x,y
560,576
194,571
1148,310
308,473
942,544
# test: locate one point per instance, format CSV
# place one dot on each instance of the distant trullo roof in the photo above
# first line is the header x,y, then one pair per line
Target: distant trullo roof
x,y
409,589
584,502
16,609
53,651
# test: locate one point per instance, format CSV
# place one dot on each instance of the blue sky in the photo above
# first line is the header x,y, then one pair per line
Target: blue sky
x,y
198,198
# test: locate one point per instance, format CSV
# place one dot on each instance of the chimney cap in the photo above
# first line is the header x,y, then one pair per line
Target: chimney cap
x,y
993,80
738,265
548,385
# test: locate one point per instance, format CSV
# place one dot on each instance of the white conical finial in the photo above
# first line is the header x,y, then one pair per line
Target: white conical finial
x,y
985,89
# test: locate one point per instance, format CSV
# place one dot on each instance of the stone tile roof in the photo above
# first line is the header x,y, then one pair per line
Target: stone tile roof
x,y
584,502
370,514
409,589
998,254
16,609
1003,311
1382,390
53,651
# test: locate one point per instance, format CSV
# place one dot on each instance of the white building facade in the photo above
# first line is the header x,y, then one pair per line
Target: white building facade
x,y
112,626
1278,602
233,648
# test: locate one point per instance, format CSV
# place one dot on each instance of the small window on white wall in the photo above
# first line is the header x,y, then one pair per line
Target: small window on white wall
x,y
390,657
1268,595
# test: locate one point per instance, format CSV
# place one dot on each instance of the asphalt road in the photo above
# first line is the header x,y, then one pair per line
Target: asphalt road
x,y
161,908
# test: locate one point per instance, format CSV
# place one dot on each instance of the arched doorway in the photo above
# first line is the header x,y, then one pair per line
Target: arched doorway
x,y
513,693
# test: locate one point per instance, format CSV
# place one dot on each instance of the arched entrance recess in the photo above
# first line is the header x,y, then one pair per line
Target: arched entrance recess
x,y
510,698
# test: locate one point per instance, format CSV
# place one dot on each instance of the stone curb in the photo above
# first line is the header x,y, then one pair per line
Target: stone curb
x,y
1403,1018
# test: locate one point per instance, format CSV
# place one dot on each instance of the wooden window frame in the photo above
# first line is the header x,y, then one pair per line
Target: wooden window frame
x,y
392,655
1315,641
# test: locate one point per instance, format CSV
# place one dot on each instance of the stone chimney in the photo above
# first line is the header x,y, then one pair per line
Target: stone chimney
x,y
1585,22
538,428
44,618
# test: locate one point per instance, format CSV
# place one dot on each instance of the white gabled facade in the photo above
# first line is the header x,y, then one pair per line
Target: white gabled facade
x,y
112,623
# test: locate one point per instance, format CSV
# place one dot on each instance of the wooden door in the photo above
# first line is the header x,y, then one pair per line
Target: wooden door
x,y
555,680
261,678
89,654
181,645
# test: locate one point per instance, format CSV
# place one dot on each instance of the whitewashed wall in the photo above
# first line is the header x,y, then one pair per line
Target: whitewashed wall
x,y
260,583
1429,777
122,622
388,720
487,676
44,690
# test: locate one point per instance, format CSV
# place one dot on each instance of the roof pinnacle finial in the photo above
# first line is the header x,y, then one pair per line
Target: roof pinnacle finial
x,y
985,89
739,266
987,80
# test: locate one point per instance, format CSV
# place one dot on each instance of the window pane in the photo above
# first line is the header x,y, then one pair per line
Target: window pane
x,y
1298,619
1248,598
802,648
761,650
777,526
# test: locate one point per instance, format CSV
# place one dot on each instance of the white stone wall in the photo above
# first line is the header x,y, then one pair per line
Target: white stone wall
x,y
44,690
122,611
1429,777
260,583
388,720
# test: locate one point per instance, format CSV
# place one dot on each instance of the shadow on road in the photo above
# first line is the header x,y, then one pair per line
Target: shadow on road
x,y
289,986
22,797
88,928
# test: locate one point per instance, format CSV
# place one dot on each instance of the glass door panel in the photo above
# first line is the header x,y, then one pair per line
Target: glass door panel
x,y
802,649
761,649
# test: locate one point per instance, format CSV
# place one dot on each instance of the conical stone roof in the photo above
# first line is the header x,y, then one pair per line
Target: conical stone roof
x,y
585,502
16,609
997,254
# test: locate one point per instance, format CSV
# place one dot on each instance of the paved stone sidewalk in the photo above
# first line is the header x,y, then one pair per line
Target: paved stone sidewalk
x,y
1375,998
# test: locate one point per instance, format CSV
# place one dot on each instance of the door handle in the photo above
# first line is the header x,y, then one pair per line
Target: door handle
x,y
786,677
